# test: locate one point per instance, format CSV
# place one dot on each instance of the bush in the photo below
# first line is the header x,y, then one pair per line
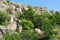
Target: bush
x,y
57,18
37,21
9,36
29,14
27,24
31,35
19,15
9,10
48,23
17,6
27,35
4,18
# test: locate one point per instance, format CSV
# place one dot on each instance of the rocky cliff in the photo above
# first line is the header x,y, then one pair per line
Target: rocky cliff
x,y
4,5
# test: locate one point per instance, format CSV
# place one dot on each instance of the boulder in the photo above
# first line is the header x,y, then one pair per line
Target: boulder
x,y
20,28
38,31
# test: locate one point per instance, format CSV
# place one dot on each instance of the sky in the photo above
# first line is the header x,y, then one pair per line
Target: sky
x,y
50,4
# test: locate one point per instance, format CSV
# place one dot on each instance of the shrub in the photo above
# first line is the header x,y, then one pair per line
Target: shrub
x,y
4,18
37,21
17,6
31,35
57,18
29,14
27,35
9,10
9,36
19,15
27,24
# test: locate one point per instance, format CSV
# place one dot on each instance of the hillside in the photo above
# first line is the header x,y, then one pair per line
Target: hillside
x,y
25,22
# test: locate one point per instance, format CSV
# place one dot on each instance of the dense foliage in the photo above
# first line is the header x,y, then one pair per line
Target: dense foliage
x,y
43,21
25,35
27,24
9,36
29,21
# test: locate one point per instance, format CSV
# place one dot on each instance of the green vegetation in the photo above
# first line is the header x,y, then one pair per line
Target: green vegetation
x,y
9,36
17,6
9,10
57,18
43,21
27,24
4,18
25,35
29,20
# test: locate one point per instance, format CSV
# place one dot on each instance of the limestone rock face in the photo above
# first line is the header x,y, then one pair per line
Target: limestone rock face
x,y
4,5
12,25
3,29
20,28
